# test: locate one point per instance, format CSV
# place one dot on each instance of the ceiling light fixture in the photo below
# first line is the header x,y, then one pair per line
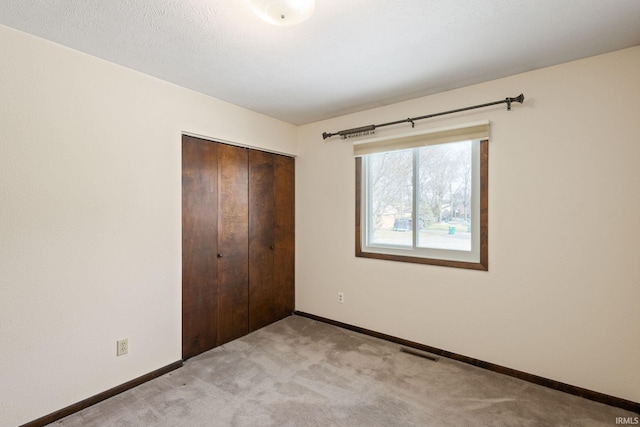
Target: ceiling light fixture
x,y
282,12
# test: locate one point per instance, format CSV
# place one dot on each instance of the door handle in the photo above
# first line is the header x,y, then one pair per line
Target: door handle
x,y
219,255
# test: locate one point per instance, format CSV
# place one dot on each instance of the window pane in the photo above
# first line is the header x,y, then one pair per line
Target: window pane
x,y
444,196
390,208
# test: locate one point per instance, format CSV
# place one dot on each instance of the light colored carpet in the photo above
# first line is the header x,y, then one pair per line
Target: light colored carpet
x,y
300,372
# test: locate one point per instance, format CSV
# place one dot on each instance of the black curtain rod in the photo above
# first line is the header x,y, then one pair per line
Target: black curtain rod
x,y
366,129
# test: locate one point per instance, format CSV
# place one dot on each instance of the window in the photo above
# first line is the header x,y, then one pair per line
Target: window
x,y
424,202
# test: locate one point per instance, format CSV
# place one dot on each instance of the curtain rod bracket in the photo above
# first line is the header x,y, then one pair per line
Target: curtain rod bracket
x,y
364,130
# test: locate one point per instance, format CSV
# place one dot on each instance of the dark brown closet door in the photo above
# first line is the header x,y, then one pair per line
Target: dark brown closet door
x,y
261,239
271,238
284,253
199,246
237,242
233,244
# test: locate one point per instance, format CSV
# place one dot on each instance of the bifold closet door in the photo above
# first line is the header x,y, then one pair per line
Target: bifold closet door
x,y
199,246
271,236
215,275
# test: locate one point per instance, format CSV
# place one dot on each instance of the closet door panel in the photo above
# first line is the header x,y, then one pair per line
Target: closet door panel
x,y
261,239
233,245
284,254
199,246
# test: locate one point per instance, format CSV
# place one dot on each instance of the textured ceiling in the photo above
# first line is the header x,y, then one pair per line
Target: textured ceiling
x,y
349,56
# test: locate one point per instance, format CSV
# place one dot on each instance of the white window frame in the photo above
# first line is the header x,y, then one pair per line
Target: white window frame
x,y
444,254
476,258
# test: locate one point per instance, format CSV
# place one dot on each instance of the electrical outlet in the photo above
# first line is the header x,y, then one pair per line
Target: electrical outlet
x,y
341,297
122,347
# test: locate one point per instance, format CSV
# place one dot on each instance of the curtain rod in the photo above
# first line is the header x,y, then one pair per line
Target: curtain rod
x,y
366,129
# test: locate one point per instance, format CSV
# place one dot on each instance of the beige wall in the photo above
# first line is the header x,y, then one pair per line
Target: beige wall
x,y
90,222
561,297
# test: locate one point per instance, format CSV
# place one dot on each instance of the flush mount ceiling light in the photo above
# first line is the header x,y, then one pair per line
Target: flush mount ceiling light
x,y
282,12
